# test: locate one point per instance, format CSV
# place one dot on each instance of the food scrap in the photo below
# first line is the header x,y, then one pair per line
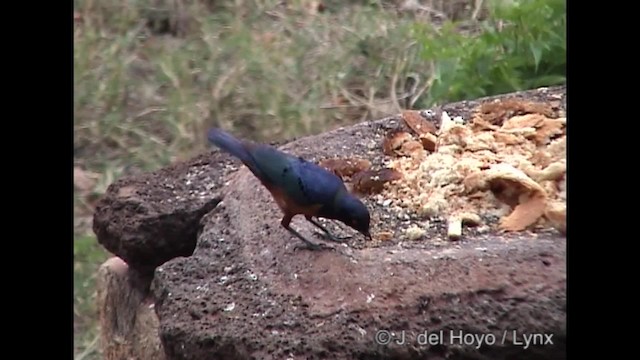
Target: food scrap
x,y
454,230
514,188
415,232
508,162
417,123
497,112
395,143
556,212
384,235
470,219
429,141
345,167
373,181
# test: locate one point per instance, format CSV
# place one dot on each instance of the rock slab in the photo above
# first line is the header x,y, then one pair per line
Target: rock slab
x,y
246,293
151,218
228,283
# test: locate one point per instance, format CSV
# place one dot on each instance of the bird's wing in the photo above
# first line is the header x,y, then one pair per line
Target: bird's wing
x,y
273,166
303,182
316,184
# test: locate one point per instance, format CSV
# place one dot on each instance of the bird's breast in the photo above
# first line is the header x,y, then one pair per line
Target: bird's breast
x,y
289,206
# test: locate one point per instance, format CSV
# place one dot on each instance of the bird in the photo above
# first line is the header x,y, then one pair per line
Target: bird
x,y
298,186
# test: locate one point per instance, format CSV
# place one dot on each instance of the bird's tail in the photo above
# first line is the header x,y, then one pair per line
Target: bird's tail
x,y
230,144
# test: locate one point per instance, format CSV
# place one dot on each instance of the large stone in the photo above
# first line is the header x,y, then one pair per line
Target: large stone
x,y
246,293
154,217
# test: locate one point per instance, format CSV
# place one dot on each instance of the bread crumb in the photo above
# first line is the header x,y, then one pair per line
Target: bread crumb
x,y
417,123
384,235
470,219
454,230
415,232
556,213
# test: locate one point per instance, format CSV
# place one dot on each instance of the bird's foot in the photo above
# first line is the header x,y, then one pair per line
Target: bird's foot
x,y
338,239
313,246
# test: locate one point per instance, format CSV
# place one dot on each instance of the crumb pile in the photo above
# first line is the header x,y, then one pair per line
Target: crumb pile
x,y
508,161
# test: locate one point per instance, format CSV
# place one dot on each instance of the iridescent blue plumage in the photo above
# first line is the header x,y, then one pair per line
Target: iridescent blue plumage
x,y
298,186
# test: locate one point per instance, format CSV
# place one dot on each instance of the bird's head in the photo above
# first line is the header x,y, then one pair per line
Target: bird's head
x,y
354,213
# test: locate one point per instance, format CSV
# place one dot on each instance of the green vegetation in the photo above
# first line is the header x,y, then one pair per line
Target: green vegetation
x,y
151,76
519,48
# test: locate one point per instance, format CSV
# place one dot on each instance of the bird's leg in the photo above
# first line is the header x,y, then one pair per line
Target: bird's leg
x,y
286,221
327,234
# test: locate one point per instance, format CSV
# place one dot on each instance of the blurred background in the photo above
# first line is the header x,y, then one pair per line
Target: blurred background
x,y
151,76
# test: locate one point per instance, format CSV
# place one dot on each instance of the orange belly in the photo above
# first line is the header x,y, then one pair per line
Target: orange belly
x,y
290,207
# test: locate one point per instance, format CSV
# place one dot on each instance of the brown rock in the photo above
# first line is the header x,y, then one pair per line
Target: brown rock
x,y
149,219
246,293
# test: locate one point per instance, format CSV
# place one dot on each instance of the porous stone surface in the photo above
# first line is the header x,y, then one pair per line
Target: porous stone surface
x,y
154,217
247,293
